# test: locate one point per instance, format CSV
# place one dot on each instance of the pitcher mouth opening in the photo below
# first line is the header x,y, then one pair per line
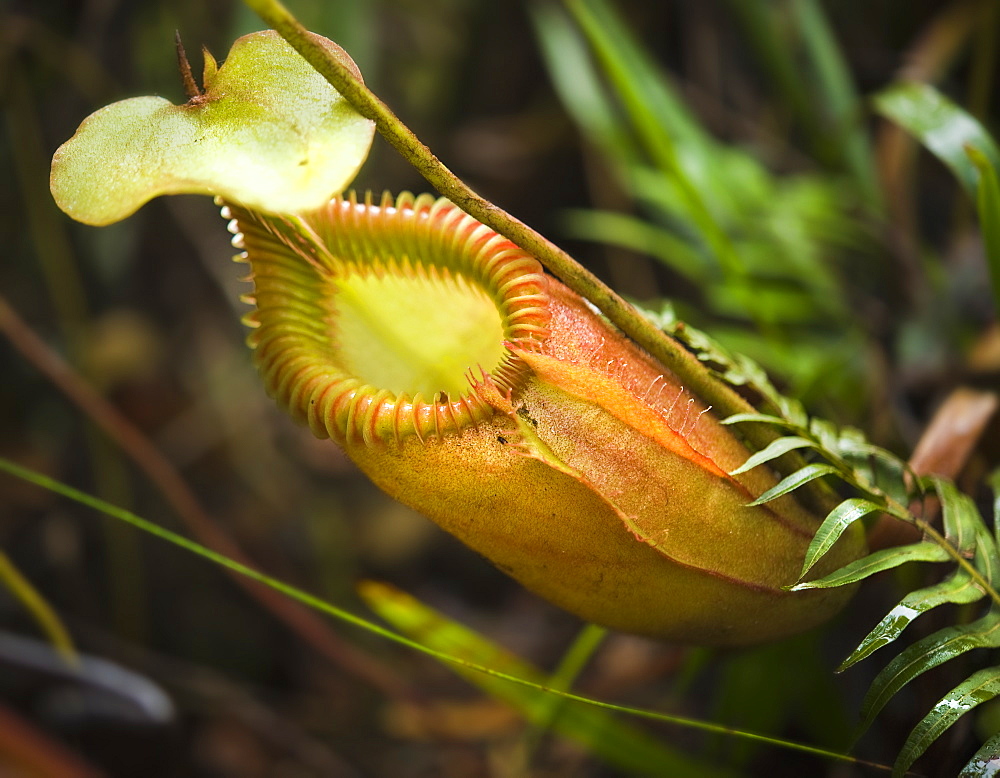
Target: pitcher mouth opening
x,y
376,322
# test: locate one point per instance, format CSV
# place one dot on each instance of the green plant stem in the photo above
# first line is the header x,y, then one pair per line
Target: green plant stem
x,y
696,378
570,666
43,481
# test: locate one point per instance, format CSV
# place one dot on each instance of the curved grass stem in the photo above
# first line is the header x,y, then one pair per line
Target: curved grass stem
x,y
315,603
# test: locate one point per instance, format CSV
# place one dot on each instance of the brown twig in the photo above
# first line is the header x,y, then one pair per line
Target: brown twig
x,y
306,624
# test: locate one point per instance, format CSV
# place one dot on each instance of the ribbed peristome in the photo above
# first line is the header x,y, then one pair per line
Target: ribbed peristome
x,y
304,267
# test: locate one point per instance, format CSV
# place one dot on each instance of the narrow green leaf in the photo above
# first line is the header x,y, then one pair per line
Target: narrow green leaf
x,y
838,95
775,449
877,562
978,688
826,432
315,603
987,559
572,663
959,514
988,206
630,232
874,464
795,480
833,526
994,482
926,654
790,408
41,611
958,589
986,762
660,120
611,39
761,418
577,83
940,125
617,744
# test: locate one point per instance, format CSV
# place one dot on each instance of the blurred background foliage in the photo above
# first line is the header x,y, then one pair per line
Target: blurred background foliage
x,y
720,155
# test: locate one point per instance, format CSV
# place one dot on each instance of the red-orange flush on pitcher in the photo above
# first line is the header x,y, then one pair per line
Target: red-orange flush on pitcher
x,y
471,386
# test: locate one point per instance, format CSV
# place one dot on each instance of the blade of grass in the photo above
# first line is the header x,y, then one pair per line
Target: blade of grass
x,y
775,54
941,126
655,115
988,206
618,745
838,95
315,603
574,78
43,613
570,666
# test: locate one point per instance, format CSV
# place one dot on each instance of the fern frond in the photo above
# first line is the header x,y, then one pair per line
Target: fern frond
x,y
986,760
883,483
795,480
959,589
834,525
978,688
877,562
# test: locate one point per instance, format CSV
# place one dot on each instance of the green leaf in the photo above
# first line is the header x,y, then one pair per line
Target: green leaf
x,y
572,663
617,744
775,449
671,138
795,480
940,125
959,514
877,562
833,526
994,482
958,589
978,688
988,206
926,654
987,559
578,85
42,612
761,418
986,762
626,231
873,464
837,94
826,432
269,132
